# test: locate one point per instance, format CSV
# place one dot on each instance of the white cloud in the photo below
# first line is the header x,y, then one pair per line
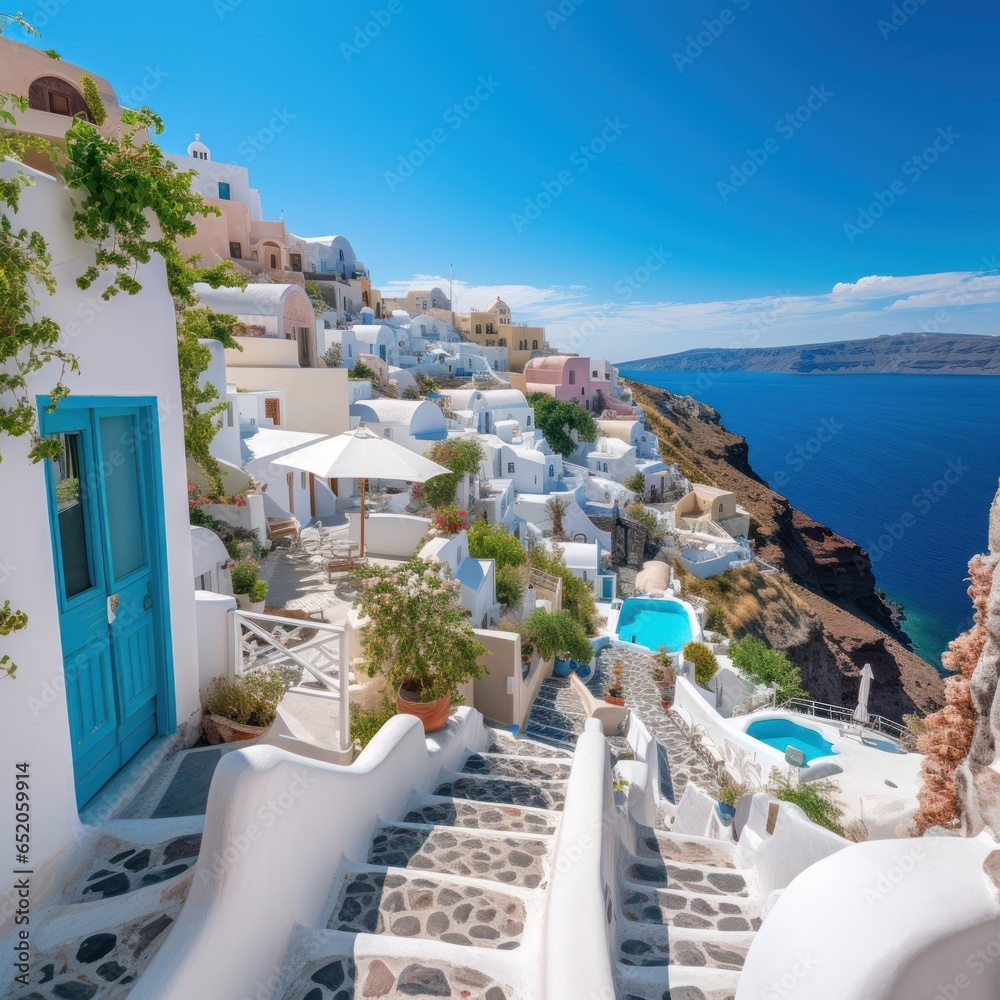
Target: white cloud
x,y
948,302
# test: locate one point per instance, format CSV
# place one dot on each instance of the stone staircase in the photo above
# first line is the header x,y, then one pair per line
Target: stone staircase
x,y
449,900
116,908
688,916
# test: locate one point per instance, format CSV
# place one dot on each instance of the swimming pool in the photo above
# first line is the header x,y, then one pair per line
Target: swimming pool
x,y
783,733
655,623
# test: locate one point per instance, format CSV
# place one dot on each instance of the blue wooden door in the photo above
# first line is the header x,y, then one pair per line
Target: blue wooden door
x,y
105,539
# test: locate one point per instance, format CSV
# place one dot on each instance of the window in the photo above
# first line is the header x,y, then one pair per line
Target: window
x,y
274,262
510,467
303,479
272,409
552,472
296,261
605,466
720,506
479,329
572,378
529,420
58,103
235,251
534,345
224,190
341,252
229,419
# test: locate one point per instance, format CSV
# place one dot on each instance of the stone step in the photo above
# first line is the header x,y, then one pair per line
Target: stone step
x,y
519,861
704,879
685,983
558,739
652,843
646,945
394,901
119,866
692,910
501,791
335,966
501,742
523,768
436,810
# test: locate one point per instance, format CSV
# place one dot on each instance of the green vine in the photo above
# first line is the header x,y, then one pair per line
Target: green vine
x,y
10,621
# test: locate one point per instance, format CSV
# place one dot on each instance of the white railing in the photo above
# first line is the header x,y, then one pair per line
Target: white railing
x,y
317,648
839,714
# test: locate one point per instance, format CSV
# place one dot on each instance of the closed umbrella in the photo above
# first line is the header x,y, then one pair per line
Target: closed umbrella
x,y
861,712
361,454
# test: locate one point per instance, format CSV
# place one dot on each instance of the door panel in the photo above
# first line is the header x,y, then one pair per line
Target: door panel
x,y
100,495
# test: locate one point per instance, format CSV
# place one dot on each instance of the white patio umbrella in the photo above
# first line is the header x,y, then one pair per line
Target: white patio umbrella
x,y
861,712
361,454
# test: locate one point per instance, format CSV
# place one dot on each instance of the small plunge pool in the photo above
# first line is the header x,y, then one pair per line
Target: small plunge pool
x,y
783,733
653,622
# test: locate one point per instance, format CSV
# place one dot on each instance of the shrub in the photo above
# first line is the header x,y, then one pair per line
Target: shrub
x,y
333,357
411,392
250,699
814,798
706,666
258,590
461,456
365,723
450,519
494,541
361,372
509,589
636,483
244,575
558,419
234,548
637,512
715,620
763,665
558,633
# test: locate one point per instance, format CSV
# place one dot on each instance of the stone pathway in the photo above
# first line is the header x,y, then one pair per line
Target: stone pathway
x,y
448,890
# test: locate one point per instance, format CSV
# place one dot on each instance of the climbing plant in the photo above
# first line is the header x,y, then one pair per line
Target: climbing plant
x,y
10,621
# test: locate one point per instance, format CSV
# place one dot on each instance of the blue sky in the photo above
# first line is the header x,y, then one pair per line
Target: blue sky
x,y
641,177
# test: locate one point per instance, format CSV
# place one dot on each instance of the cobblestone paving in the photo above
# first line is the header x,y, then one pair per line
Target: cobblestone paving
x,y
389,903
678,908
652,871
502,790
671,847
389,978
503,743
97,966
479,816
505,767
120,867
511,860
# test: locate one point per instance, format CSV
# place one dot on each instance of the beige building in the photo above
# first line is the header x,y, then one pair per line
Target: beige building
x,y
239,234
712,504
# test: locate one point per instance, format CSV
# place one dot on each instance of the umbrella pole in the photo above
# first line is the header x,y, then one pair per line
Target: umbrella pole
x,y
363,518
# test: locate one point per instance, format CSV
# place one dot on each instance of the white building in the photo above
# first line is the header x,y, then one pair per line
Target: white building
x,y
414,424
485,410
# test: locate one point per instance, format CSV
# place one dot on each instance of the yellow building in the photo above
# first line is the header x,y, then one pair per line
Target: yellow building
x,y
495,328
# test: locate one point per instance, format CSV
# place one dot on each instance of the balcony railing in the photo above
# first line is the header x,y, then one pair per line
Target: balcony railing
x,y
845,716
318,649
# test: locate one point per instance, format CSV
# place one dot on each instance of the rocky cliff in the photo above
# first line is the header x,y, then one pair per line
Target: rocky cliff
x,y
832,620
904,353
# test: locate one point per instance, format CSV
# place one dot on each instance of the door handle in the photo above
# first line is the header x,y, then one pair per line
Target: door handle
x,y
147,602
112,607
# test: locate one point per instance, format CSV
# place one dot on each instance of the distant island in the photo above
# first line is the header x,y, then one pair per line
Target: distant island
x,y
903,353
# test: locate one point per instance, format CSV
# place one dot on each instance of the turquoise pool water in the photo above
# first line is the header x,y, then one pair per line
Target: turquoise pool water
x,y
782,734
654,623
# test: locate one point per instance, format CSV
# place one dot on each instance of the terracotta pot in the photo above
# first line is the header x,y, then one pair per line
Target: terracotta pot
x,y
433,714
221,730
613,700
666,705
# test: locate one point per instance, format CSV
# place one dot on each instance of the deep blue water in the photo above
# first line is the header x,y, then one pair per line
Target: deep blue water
x,y
904,465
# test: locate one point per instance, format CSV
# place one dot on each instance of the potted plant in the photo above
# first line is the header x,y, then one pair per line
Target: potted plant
x,y
244,575
257,595
667,685
418,635
243,708
729,794
614,695
619,786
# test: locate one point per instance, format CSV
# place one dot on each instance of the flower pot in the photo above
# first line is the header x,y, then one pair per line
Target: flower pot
x,y
666,705
256,606
243,602
433,714
613,699
219,729
727,812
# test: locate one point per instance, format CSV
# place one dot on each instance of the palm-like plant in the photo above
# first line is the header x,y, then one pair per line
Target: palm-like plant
x,y
556,509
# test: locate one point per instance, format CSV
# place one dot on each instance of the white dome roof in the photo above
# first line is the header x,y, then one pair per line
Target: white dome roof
x,y
199,147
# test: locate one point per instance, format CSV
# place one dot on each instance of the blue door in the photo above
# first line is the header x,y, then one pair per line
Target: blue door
x,y
106,531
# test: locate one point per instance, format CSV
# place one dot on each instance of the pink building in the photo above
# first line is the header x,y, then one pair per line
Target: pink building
x,y
566,376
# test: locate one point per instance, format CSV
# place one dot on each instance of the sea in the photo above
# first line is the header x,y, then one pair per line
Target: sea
x,y
904,465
